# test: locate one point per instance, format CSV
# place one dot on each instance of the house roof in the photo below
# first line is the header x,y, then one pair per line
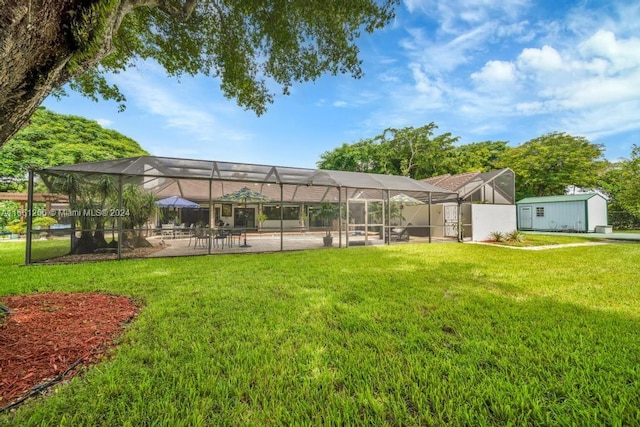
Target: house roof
x,y
467,183
201,179
451,182
558,199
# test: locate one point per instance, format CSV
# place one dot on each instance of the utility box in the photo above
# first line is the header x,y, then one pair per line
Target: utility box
x,y
605,229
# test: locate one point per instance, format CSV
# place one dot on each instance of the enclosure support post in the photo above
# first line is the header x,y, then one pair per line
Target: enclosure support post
x,y
386,217
340,219
212,217
429,218
27,256
460,224
282,217
120,209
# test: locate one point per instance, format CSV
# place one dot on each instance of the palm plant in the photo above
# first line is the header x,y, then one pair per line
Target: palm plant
x,y
327,212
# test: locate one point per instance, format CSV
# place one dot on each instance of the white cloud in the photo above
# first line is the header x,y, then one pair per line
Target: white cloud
x,y
453,15
540,61
193,117
442,57
495,75
340,104
620,54
105,123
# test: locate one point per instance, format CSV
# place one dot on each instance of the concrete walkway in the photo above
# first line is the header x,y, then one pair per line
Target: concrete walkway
x,y
543,247
607,238
631,237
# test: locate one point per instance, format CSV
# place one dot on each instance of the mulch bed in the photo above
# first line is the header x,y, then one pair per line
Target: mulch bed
x,y
108,256
48,335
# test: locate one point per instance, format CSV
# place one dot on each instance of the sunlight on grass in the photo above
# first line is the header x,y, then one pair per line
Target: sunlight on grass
x,y
442,334
548,239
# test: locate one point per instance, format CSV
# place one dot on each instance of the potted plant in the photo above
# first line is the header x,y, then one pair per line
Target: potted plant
x,y
327,212
261,218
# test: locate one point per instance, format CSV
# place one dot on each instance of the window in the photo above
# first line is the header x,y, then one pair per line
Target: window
x,y
540,212
289,212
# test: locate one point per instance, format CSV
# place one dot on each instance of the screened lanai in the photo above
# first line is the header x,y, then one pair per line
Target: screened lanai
x,y
116,209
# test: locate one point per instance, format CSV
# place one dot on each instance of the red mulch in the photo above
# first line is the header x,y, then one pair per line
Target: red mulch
x,y
49,333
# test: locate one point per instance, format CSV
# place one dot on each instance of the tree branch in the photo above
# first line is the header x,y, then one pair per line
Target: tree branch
x,y
181,13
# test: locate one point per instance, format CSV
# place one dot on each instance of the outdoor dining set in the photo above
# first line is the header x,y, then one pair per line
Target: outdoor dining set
x,y
199,236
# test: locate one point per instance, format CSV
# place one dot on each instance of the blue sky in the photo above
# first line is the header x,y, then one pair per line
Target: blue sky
x,y
508,70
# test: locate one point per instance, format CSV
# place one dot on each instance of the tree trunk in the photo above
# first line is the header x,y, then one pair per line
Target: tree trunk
x,y
38,39
46,43
35,46
85,244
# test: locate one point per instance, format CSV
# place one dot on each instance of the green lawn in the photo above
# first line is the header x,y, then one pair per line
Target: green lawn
x,y
549,239
441,334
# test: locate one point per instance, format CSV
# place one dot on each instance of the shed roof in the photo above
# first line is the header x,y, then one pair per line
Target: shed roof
x,y
558,199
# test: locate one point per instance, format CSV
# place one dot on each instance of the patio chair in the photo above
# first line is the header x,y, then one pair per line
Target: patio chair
x,y
201,237
192,233
168,231
219,238
233,234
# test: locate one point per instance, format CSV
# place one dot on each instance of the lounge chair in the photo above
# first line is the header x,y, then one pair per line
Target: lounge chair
x,y
400,234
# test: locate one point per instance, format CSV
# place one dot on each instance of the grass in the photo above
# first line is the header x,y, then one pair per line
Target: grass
x,y
441,334
545,240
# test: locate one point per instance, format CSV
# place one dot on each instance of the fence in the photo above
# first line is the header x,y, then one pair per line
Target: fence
x,y
622,220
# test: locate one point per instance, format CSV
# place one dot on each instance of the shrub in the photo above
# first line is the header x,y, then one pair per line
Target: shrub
x,y
17,227
496,236
515,236
44,222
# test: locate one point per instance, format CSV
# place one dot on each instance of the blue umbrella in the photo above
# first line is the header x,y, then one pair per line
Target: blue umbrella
x,y
177,202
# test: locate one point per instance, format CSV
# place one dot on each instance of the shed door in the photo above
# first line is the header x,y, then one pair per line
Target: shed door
x,y
450,220
526,218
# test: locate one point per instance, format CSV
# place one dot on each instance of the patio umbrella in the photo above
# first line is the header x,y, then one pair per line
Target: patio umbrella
x,y
244,195
405,200
177,202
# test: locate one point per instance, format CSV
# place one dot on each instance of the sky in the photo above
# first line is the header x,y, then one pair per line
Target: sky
x,y
482,70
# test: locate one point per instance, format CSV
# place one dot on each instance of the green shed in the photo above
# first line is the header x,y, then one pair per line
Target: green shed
x,y
575,212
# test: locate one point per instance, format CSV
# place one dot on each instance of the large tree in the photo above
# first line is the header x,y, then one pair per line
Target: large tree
x,y
479,156
547,165
55,139
621,182
47,43
413,152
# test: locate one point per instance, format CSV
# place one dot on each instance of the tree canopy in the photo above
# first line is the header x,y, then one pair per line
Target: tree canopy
x,y
622,182
409,151
547,165
55,139
248,45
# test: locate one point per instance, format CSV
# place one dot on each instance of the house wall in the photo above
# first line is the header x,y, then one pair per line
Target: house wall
x,y
558,216
418,216
488,218
596,213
